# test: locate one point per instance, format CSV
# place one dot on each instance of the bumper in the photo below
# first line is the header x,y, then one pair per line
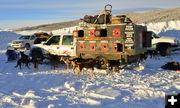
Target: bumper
x,y
17,46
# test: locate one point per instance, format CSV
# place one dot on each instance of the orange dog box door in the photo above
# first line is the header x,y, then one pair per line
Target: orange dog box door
x,y
116,32
104,47
92,47
81,46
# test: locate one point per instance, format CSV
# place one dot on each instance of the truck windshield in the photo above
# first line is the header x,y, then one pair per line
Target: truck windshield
x,y
67,40
24,37
154,35
39,40
54,40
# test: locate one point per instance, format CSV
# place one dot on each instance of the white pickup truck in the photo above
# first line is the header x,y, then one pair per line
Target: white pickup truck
x,y
164,44
61,45
23,42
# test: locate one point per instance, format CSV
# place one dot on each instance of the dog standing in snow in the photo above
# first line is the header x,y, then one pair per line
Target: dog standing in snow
x,y
23,60
89,64
72,61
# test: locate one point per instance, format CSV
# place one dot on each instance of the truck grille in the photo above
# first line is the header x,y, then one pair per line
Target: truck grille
x,y
16,42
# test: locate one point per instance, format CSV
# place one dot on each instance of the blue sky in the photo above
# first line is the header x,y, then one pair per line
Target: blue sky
x,y
20,13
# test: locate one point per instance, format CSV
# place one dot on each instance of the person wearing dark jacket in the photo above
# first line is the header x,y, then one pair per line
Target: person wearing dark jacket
x,y
11,54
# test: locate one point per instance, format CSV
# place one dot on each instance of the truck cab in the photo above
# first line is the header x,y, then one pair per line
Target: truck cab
x,y
163,44
61,45
164,39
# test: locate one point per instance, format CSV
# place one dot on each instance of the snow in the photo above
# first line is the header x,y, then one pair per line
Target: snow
x,y
6,37
132,87
170,28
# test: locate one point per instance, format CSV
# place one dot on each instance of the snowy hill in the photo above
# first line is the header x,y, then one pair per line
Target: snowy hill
x,y
163,26
155,16
171,28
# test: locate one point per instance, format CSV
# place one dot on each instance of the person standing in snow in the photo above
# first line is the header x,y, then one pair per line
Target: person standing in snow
x,y
11,54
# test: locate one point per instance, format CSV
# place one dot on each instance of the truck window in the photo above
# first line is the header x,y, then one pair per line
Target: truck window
x,y
80,33
54,40
119,47
67,40
154,35
32,37
25,37
39,40
103,33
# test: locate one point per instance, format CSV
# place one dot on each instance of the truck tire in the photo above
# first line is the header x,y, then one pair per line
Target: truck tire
x,y
168,51
27,46
164,49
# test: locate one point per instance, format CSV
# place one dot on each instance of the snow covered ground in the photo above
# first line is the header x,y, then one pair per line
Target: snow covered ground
x,y
6,37
61,88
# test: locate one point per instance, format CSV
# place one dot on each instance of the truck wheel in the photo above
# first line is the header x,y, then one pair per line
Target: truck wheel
x,y
168,51
27,47
164,49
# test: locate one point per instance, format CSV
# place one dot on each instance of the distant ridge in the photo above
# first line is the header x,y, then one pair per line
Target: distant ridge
x,y
156,16
50,27
139,18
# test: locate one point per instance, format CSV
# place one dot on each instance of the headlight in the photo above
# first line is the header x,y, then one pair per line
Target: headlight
x,y
21,42
18,42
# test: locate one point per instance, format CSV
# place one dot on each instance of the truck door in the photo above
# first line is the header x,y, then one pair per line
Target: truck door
x,y
31,40
155,38
53,44
68,46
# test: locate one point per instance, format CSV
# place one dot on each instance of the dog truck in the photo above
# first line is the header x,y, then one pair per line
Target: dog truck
x,y
115,43
110,39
